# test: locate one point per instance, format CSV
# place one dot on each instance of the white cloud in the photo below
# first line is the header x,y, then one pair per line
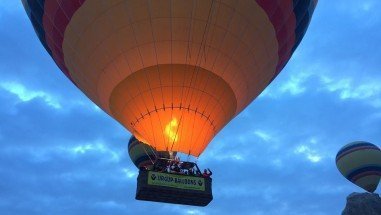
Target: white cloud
x,y
129,173
26,95
194,212
313,158
263,135
348,88
98,147
309,153
237,157
82,148
294,85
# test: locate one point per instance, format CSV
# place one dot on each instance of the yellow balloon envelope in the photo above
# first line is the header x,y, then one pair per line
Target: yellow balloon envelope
x,y
360,163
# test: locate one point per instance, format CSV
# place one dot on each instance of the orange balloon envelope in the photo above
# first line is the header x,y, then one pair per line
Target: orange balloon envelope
x,y
174,73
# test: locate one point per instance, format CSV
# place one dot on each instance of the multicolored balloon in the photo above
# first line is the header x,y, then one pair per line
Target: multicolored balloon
x,y
143,155
360,163
173,73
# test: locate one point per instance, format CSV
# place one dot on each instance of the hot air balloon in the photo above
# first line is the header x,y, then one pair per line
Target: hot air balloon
x,y
143,155
173,73
360,163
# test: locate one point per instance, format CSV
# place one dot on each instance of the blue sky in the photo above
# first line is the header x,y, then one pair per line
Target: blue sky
x,y
59,154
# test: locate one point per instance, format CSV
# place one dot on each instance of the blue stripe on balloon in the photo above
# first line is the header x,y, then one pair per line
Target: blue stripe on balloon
x,y
350,147
367,168
302,16
36,8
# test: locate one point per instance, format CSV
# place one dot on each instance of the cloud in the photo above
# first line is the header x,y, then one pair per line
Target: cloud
x,y
294,85
310,154
129,173
365,89
347,88
194,212
293,82
269,160
98,147
26,95
263,135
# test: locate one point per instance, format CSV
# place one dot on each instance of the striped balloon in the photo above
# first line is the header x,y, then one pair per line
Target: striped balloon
x,y
360,163
141,154
173,73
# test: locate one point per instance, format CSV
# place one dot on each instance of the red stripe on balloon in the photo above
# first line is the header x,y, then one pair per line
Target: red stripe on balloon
x,y
281,15
57,15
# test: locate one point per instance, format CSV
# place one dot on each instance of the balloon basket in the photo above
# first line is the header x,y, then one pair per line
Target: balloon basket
x,y
173,188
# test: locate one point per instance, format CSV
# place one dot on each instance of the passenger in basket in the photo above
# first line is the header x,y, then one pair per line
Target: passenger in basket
x,y
190,171
207,173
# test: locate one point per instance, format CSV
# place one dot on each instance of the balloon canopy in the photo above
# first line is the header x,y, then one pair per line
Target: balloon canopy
x,y
173,72
360,163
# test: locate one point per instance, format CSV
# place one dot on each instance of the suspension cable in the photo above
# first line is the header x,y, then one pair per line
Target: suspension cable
x,y
144,148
